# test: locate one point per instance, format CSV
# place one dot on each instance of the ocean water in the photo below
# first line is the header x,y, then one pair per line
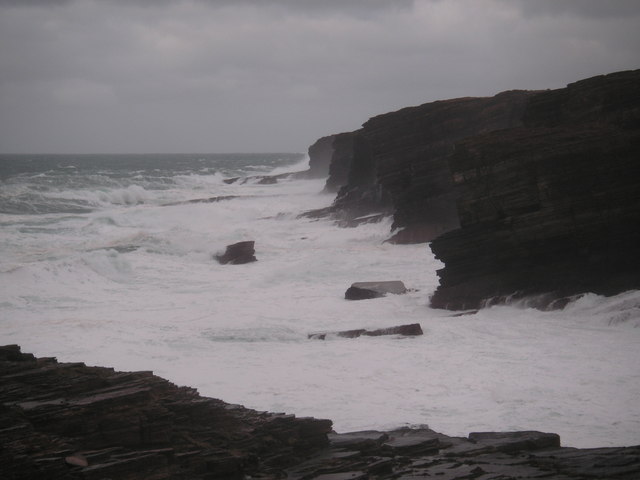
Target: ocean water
x,y
101,261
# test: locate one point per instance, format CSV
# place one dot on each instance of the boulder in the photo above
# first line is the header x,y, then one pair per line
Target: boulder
x,y
411,330
366,290
238,253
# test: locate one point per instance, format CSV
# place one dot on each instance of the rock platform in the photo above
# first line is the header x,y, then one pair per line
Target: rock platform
x,y
72,421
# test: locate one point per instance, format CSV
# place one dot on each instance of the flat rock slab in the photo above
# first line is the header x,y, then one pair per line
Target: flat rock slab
x,y
343,476
515,441
358,440
411,330
367,290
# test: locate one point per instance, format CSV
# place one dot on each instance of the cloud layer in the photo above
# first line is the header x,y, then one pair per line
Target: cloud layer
x,y
247,75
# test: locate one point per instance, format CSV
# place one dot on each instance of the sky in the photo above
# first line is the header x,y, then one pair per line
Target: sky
x,y
216,76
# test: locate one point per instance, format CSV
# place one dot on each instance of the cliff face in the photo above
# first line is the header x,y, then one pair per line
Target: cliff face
x,y
341,160
551,208
410,149
320,154
397,163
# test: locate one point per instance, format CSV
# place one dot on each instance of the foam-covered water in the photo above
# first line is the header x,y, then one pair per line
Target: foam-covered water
x,y
101,263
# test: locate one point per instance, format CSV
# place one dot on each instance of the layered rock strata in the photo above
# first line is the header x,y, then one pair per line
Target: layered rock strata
x,y
550,209
397,163
69,421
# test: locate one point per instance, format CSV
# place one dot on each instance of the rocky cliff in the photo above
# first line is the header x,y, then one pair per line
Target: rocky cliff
x,y
550,209
69,421
320,154
524,193
397,163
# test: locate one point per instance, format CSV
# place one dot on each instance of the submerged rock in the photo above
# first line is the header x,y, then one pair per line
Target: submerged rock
x,y
202,200
412,329
367,290
238,253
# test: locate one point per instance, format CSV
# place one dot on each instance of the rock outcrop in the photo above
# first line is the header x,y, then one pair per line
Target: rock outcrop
x,y
70,421
367,290
550,209
238,253
67,421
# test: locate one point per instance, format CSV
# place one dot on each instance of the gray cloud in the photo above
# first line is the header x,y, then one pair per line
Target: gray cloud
x,y
583,8
33,3
198,75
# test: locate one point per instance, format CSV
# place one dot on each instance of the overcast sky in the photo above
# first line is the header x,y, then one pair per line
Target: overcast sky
x,y
135,76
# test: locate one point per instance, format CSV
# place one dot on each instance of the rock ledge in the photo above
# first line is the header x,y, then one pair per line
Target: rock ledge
x,y
71,421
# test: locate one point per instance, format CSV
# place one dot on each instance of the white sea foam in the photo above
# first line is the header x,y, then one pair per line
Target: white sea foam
x,y
133,285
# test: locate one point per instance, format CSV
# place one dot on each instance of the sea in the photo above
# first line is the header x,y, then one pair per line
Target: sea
x,y
110,260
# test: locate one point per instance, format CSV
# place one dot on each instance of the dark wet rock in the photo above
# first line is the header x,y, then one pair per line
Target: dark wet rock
x,y
397,163
367,290
411,442
410,164
70,421
360,441
508,442
203,200
64,421
410,330
352,177
344,145
238,253
548,210
269,180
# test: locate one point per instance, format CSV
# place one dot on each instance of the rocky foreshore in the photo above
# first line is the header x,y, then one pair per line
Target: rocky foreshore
x,y
72,421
